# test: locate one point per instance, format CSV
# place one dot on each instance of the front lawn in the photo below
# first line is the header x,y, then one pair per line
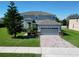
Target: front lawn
x,y
19,55
7,40
71,36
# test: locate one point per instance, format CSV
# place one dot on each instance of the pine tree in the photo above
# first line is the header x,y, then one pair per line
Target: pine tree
x,y
57,19
64,22
13,20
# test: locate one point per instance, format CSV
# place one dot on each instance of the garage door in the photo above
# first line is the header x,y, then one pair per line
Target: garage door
x,y
49,31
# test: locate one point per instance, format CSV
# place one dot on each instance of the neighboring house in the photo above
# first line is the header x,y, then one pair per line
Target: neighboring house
x,y
73,22
46,22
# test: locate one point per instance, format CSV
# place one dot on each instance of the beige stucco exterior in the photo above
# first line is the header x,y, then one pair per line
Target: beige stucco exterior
x,y
74,24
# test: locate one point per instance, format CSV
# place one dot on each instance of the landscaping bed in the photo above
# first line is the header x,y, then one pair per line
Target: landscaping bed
x,y
7,40
19,55
72,36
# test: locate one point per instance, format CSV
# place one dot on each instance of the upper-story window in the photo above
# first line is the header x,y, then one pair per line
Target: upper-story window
x,y
73,25
36,17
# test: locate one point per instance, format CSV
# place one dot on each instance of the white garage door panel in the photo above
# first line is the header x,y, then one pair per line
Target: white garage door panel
x,y
49,31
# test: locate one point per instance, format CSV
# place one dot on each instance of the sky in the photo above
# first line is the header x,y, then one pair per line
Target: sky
x,y
61,9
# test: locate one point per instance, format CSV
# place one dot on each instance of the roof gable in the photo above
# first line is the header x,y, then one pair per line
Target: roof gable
x,y
47,22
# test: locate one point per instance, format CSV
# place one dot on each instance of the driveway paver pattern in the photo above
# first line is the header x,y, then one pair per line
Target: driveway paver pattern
x,y
54,41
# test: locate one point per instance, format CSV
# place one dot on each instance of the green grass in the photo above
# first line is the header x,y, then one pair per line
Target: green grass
x,y
7,40
19,55
71,36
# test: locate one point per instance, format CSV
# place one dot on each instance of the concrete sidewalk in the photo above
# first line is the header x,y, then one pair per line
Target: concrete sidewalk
x,y
60,52
36,50
45,51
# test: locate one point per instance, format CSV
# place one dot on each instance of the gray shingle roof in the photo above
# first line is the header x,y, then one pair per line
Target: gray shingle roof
x,y
47,22
73,16
35,13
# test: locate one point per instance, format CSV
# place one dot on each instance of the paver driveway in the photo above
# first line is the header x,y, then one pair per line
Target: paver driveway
x,y
54,41
53,45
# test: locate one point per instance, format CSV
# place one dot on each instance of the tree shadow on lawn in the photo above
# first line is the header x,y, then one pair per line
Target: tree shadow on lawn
x,y
64,33
24,37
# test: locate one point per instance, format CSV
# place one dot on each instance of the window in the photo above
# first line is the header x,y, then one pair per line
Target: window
x,y
36,17
73,25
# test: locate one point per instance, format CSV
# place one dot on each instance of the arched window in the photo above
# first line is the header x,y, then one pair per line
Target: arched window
x,y
36,17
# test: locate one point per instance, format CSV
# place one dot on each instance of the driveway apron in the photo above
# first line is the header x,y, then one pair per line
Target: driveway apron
x,y
53,45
